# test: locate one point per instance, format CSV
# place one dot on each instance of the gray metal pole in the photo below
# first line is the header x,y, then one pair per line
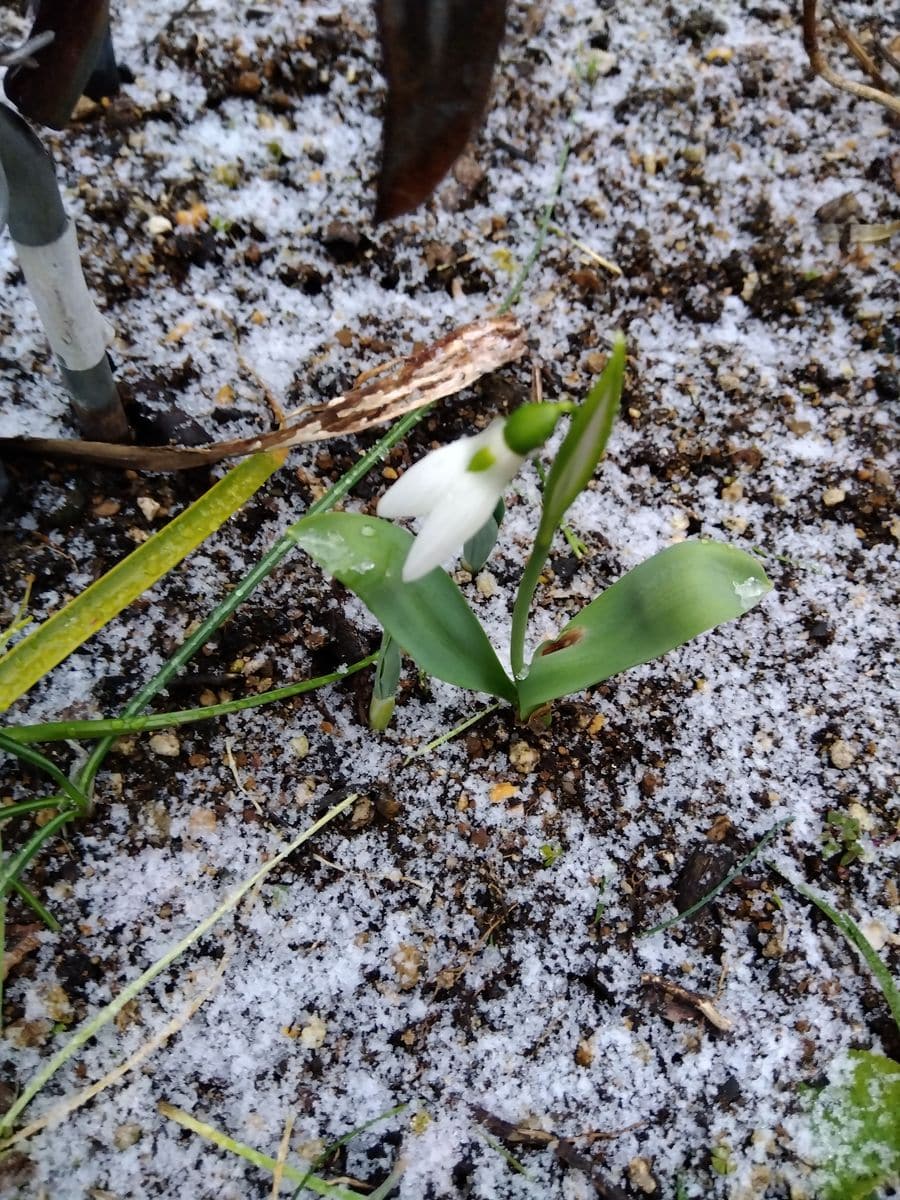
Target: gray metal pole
x,y
47,249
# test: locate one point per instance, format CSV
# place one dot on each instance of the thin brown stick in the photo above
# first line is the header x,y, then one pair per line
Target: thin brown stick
x,y
821,67
563,1148
702,1004
21,950
284,1145
859,52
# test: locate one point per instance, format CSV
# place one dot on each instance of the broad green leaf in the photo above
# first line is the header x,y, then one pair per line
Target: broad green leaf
x,y
585,442
664,602
855,1125
428,618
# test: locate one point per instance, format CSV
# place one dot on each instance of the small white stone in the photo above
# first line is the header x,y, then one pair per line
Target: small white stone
x,y
312,1035
876,934
149,507
832,496
486,584
842,754
639,1174
300,745
165,744
523,758
158,224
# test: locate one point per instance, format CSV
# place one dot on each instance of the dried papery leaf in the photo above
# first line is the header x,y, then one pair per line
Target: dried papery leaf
x,y
438,58
451,364
858,234
48,90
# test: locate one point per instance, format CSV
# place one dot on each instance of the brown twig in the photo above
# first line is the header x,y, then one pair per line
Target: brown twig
x,y
540,1139
702,1004
821,67
21,950
859,52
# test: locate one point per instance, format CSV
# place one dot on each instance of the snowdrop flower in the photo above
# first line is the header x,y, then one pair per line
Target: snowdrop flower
x,y
456,488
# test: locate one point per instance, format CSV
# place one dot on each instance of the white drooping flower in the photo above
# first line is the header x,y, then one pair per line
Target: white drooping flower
x,y
455,488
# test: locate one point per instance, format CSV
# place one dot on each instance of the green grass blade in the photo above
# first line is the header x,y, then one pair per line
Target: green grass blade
x,y
108,1013
344,1140
224,1142
855,937
44,648
738,869
58,731
663,603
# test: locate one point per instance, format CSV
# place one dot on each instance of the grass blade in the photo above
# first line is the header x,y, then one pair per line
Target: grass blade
x,y
736,870
47,646
855,937
58,731
224,1142
106,1014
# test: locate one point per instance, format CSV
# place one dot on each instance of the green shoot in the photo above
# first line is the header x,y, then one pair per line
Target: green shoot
x,y
384,685
842,837
855,936
551,853
738,869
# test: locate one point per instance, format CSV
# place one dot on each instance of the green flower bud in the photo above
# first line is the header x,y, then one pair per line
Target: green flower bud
x,y
528,427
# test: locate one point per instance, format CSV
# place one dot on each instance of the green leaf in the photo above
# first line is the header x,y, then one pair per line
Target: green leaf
x,y
664,602
428,618
477,549
585,442
384,685
855,1124
46,646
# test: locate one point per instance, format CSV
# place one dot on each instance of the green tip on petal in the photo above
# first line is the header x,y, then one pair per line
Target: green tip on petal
x,y
482,460
528,427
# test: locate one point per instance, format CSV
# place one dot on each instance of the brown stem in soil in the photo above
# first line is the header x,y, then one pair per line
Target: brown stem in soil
x,y
821,67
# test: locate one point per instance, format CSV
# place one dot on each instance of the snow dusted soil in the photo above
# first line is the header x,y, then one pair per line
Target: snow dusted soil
x,y
465,941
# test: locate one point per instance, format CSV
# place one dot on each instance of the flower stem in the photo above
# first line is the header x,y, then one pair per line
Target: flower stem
x,y
524,596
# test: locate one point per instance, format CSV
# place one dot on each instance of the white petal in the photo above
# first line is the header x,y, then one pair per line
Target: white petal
x,y
427,482
461,513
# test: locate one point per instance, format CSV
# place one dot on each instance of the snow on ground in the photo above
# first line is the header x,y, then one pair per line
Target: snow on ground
x,y
426,952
